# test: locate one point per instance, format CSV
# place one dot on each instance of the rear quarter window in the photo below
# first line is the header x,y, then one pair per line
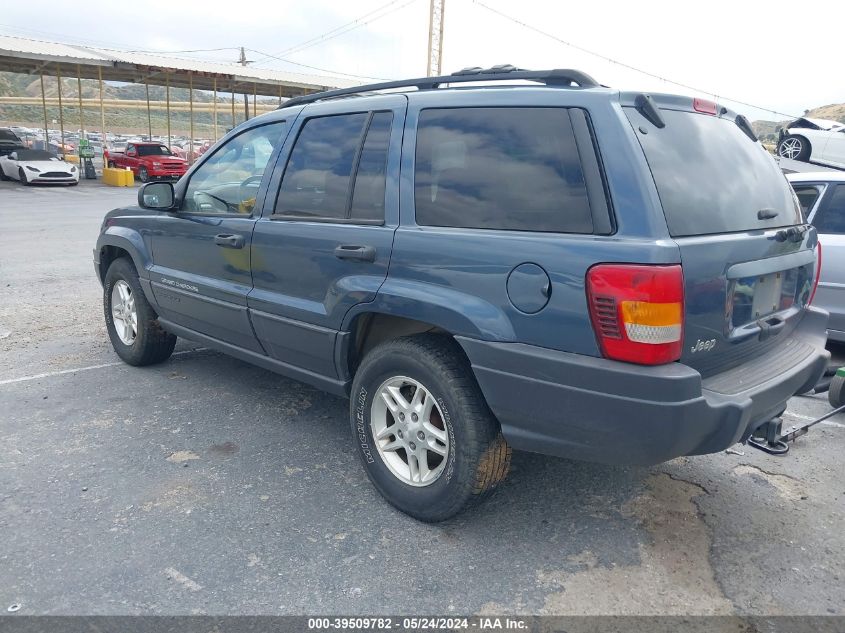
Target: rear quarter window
x,y
807,196
500,168
711,177
830,218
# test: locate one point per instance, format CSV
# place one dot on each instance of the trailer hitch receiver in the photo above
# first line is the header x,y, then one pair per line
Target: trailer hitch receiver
x,y
770,437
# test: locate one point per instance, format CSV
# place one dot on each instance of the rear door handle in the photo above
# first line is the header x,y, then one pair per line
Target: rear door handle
x,y
355,253
228,240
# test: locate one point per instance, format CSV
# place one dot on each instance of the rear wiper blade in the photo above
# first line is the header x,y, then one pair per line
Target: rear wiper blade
x,y
744,125
648,108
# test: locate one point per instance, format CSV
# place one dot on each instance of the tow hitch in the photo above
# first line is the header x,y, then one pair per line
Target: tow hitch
x,y
770,437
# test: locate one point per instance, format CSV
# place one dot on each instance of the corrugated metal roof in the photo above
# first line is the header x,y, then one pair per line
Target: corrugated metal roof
x,y
25,55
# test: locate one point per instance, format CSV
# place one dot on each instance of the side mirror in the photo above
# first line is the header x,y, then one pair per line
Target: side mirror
x,y
156,195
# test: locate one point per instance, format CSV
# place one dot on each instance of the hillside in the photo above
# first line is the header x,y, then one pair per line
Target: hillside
x,y
767,131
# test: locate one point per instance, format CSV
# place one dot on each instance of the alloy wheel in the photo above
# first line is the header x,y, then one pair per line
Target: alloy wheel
x,y
791,148
124,314
409,431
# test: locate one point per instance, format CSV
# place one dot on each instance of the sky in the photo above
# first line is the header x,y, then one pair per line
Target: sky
x,y
771,55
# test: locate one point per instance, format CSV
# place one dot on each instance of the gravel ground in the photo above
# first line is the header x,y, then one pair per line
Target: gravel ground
x,y
205,485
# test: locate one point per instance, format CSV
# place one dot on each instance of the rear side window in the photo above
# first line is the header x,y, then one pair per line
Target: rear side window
x,y
807,196
316,181
830,218
500,168
337,169
711,177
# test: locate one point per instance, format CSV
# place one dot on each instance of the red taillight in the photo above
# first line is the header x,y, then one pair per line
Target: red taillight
x,y
818,272
637,311
704,106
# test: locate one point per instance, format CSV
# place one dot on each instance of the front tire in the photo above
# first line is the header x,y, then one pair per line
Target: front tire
x,y
143,176
132,324
423,430
22,176
794,148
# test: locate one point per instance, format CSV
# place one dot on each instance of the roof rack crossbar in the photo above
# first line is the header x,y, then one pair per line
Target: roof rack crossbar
x,y
504,72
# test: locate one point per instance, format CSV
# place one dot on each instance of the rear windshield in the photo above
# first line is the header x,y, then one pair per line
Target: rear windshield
x,y
711,177
153,150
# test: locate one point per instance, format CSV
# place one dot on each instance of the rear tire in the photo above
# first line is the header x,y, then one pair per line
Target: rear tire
x,y
143,342
3,175
477,458
836,394
794,148
110,164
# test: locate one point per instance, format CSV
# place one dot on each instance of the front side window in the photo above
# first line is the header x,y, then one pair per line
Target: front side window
x,y
228,181
500,168
830,219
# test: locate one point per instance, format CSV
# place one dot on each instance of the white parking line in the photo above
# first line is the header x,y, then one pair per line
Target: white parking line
x,y
50,374
807,418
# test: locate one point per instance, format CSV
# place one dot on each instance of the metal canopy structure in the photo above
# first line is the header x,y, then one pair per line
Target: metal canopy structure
x,y
53,59
34,57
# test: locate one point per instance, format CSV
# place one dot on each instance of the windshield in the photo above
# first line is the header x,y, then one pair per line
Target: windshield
x,y
9,136
153,150
711,177
35,154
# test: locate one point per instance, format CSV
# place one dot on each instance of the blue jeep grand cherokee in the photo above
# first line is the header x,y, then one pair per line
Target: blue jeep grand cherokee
x,y
552,266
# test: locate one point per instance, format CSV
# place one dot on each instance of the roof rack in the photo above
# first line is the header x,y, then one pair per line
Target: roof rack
x,y
503,72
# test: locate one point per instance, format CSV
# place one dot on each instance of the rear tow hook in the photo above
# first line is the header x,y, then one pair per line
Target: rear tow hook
x,y
770,437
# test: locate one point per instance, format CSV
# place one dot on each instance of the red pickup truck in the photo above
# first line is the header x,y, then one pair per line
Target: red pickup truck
x,y
148,161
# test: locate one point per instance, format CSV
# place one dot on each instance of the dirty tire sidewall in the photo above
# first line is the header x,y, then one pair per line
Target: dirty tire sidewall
x,y
152,344
836,394
473,431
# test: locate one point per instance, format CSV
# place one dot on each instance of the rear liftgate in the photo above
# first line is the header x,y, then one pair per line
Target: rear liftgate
x,y
770,437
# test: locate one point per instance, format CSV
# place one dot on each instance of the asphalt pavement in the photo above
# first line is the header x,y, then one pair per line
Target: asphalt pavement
x,y
206,485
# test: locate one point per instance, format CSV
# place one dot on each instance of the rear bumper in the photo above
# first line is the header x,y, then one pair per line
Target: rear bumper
x,y
599,410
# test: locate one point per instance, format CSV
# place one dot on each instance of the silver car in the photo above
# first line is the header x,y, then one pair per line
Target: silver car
x,y
822,197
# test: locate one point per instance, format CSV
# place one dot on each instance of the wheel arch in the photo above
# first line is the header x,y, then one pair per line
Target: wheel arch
x,y
392,315
122,242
